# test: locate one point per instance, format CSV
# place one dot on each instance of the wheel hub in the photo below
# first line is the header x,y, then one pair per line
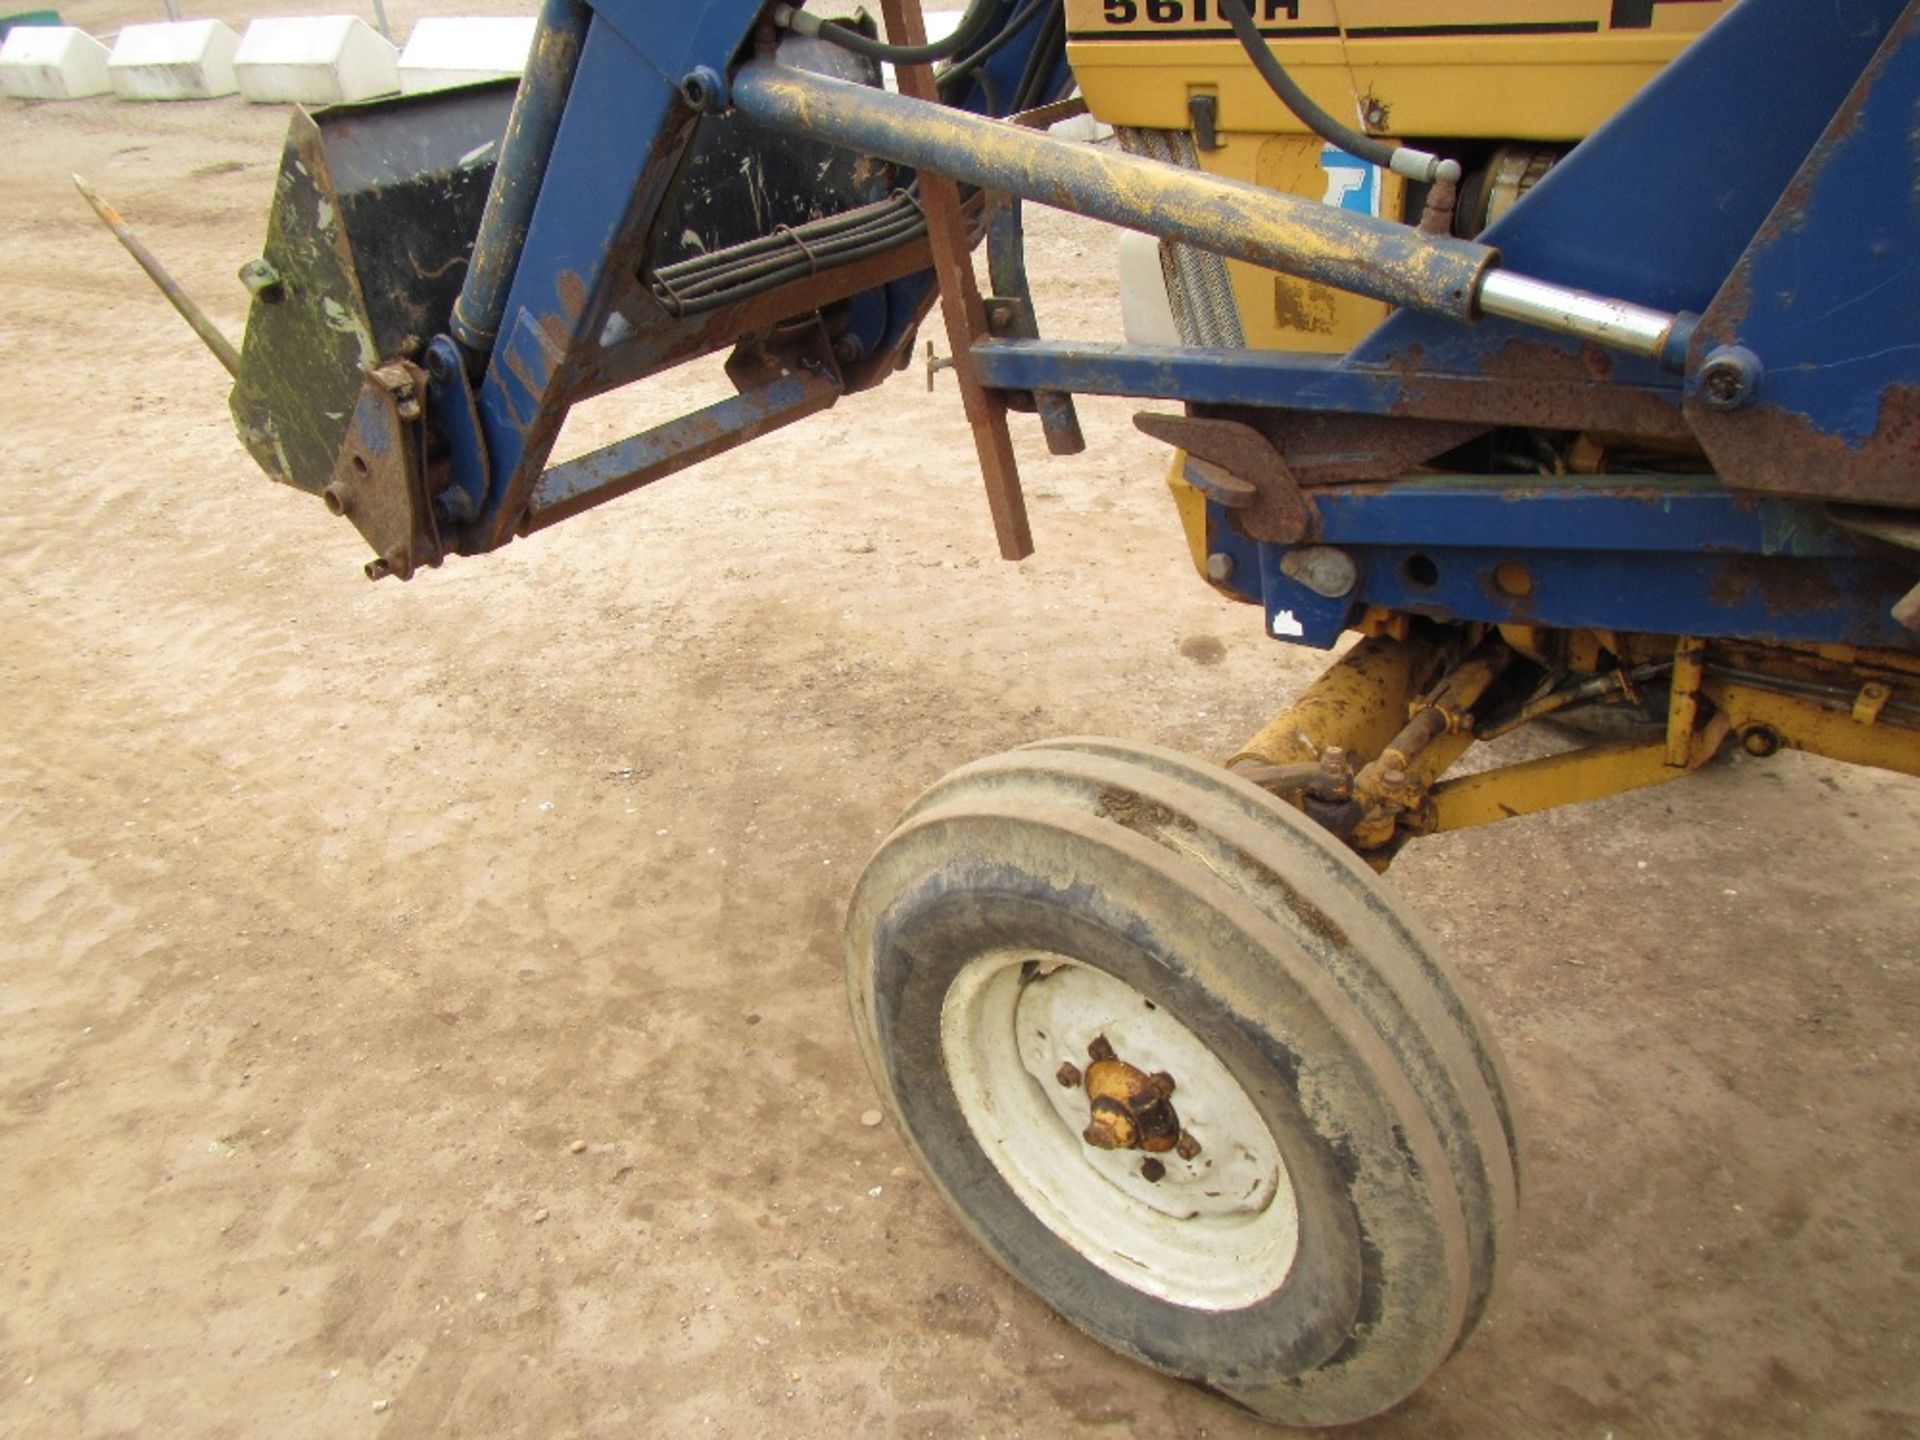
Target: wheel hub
x,y
1191,1203
1129,1109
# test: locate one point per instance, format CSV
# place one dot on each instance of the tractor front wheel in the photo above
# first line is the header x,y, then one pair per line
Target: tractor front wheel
x,y
1182,1067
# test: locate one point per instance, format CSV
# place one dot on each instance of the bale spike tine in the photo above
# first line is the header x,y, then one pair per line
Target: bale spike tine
x,y
208,332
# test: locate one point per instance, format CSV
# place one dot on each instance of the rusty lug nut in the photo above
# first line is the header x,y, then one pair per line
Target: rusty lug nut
x,y
337,498
1152,1170
1188,1147
1068,1075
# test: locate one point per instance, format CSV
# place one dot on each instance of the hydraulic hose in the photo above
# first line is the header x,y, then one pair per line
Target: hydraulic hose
x,y
1415,165
972,26
972,64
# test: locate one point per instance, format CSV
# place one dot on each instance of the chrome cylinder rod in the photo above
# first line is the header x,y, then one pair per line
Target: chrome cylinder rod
x,y
1613,323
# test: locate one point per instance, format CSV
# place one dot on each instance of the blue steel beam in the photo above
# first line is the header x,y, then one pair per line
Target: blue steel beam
x,y
1660,554
626,465
596,202
1284,380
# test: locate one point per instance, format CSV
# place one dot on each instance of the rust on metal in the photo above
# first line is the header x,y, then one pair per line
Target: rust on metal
x,y
1295,236
1773,449
378,480
1542,383
1326,448
1551,781
1779,452
1682,705
1129,1109
209,333
965,313
1275,509
1531,383
1045,117
626,465
1437,733
1357,704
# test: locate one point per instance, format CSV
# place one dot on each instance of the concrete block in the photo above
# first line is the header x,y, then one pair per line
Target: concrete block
x,y
52,62
446,51
174,60
314,60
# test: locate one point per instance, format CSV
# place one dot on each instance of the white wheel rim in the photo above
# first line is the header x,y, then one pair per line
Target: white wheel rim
x,y
1216,1232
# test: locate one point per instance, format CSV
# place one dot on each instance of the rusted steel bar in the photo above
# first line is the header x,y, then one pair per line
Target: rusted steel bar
x,y
626,465
1299,237
1359,253
960,302
208,332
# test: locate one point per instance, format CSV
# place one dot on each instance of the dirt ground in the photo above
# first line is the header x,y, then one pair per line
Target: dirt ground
x,y
420,1006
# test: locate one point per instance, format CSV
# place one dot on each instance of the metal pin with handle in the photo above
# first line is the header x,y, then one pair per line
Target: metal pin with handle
x,y
935,364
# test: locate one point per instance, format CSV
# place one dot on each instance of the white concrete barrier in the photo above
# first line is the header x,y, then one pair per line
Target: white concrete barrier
x,y
52,62
174,60
314,60
446,51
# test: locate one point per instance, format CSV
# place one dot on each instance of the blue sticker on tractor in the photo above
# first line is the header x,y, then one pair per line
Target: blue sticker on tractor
x,y
1352,184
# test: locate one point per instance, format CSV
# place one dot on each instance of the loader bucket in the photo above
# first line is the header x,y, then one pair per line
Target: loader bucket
x,y
374,218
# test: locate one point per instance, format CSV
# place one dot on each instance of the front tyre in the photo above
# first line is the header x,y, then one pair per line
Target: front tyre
x,y
1298,1194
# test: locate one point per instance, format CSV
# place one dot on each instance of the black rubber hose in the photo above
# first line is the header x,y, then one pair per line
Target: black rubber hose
x,y
1040,61
972,25
824,229
727,277
814,258
967,65
1364,147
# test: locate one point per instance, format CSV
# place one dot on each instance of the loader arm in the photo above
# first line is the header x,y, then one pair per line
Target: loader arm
x,y
763,199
